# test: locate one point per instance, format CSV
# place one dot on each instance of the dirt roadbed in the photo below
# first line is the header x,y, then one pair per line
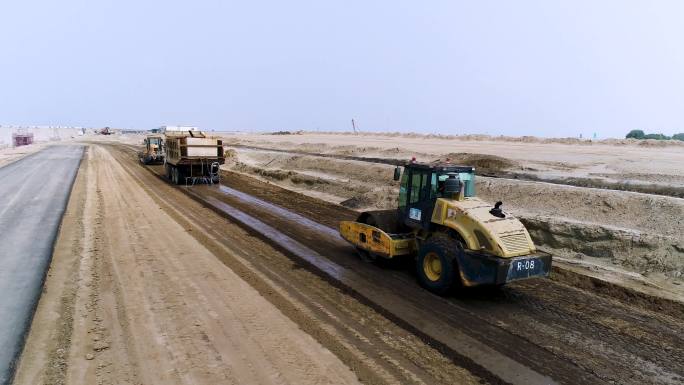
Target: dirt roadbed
x,y
149,283
147,286
133,298
551,324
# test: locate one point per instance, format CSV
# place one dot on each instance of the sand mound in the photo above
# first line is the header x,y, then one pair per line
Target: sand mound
x,y
642,212
482,162
379,198
639,251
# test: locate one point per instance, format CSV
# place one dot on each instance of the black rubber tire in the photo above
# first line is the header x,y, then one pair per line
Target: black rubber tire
x,y
167,170
447,249
365,255
385,220
180,177
174,175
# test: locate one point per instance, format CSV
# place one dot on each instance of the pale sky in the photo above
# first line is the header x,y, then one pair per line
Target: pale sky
x,y
551,68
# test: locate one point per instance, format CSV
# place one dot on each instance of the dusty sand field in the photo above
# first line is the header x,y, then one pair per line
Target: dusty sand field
x,y
11,154
42,137
600,229
622,160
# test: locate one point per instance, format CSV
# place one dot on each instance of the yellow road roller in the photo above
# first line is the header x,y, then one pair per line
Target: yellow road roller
x,y
456,238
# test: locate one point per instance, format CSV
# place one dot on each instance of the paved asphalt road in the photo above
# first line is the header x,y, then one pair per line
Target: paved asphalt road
x,y
34,192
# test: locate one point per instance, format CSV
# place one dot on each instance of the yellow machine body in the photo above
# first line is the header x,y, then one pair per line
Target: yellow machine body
x,y
470,218
455,237
376,241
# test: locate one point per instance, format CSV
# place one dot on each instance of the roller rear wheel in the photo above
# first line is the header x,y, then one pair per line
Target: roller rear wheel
x,y
366,255
437,265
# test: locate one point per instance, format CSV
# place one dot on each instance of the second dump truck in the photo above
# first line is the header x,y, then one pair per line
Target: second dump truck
x,y
455,238
192,154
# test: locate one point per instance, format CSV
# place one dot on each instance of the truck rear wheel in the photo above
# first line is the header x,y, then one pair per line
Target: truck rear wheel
x,y
173,174
436,265
177,175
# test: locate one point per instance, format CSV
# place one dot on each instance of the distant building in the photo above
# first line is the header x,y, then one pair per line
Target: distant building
x,y
22,137
163,129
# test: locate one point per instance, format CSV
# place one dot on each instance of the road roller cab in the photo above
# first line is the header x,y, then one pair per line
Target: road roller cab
x,y
456,238
423,185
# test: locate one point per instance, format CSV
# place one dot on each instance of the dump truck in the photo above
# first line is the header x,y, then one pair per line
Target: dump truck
x,y
153,152
191,157
456,238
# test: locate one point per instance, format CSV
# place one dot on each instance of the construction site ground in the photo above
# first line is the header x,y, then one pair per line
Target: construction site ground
x,y
612,208
248,282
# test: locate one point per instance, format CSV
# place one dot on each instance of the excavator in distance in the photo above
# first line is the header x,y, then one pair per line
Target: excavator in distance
x,y
455,238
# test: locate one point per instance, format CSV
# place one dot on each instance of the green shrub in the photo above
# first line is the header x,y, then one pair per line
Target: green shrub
x,y
635,134
656,136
